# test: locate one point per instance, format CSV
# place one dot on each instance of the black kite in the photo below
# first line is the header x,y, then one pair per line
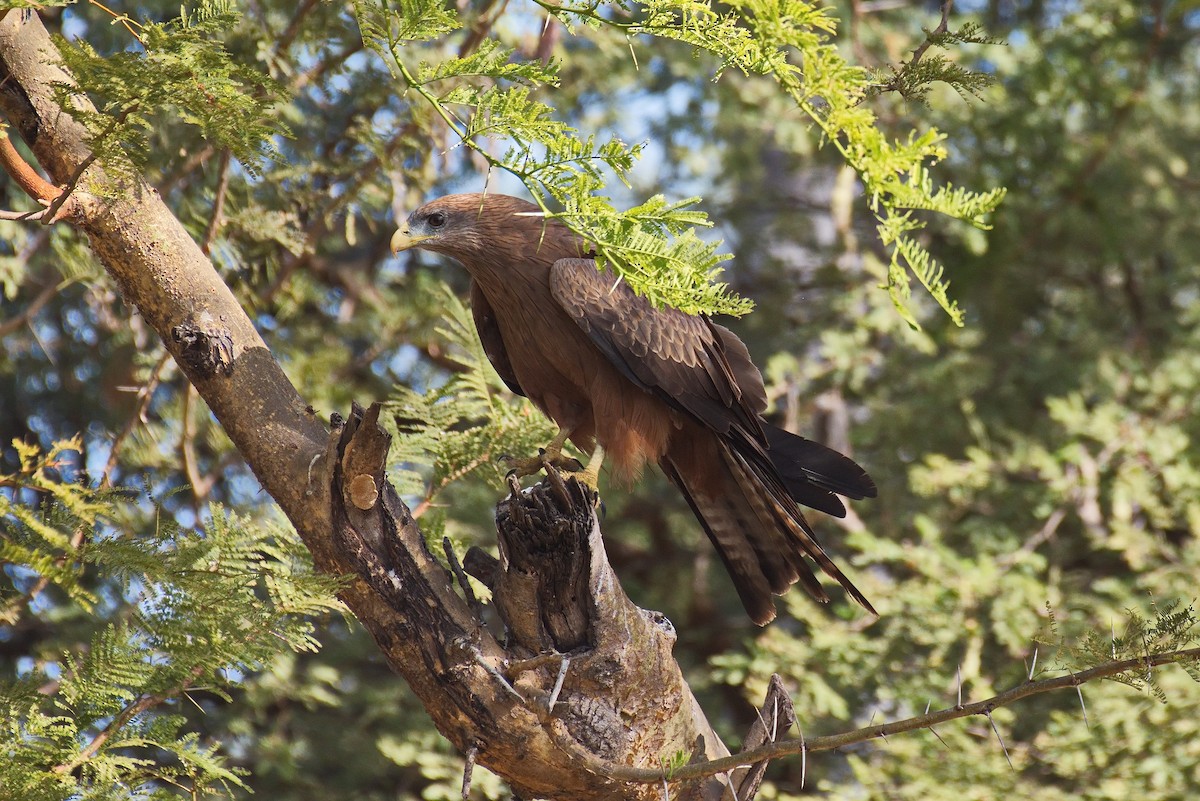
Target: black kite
x,y
644,384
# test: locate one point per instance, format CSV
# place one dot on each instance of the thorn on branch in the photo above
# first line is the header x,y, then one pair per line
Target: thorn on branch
x,y
933,731
803,756
988,713
782,715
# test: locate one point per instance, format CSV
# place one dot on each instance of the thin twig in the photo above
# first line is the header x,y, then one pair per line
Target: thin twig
x,y
469,769
558,683
461,576
803,746
142,704
285,39
942,27
145,395
126,21
218,211
23,216
26,314
201,485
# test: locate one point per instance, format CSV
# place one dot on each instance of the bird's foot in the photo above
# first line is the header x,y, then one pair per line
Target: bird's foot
x,y
546,459
563,466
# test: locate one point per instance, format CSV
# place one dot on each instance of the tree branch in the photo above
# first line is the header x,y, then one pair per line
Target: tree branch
x,y
334,491
942,27
26,176
925,721
218,210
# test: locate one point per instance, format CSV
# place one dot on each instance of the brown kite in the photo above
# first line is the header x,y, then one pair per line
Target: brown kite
x,y
644,384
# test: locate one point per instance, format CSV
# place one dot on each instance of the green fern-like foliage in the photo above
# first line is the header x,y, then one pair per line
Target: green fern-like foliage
x,y
914,79
493,103
179,67
42,541
1168,627
487,96
465,425
197,603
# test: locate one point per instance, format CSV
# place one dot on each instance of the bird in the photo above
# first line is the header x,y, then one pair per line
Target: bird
x,y
634,383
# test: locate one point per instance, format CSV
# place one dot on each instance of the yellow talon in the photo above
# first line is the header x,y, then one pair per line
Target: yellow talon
x,y
552,456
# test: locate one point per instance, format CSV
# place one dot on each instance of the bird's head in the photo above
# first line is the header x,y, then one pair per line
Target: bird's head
x,y
466,226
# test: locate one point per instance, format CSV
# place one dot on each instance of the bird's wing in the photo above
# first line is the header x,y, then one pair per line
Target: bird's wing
x,y
489,335
681,358
703,369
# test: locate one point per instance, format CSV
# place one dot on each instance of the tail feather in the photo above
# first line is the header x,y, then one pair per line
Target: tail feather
x,y
789,518
754,523
723,520
813,472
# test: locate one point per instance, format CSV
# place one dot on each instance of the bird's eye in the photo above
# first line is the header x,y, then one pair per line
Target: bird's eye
x,y
437,219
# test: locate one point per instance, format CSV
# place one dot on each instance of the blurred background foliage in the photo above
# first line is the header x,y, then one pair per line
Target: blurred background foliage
x,y
1043,457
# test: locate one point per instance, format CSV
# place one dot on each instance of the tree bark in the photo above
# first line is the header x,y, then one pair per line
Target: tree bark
x,y
584,679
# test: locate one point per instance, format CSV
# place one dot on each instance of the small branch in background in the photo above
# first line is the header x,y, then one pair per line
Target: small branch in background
x,y
30,311
180,177
481,27
23,216
218,211
325,65
942,27
201,485
293,29
145,395
142,704
25,176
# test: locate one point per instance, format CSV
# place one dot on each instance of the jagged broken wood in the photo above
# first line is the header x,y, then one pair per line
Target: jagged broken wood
x,y
577,662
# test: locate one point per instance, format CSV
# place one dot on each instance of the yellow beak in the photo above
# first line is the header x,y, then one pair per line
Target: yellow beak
x,y
401,240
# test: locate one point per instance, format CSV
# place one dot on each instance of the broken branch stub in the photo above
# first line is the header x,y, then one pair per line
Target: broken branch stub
x,y
571,634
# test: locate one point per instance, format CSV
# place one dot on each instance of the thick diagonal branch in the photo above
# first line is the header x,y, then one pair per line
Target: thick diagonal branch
x,y
335,493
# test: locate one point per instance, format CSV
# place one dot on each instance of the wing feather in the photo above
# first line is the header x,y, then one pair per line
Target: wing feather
x,y
489,335
679,357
